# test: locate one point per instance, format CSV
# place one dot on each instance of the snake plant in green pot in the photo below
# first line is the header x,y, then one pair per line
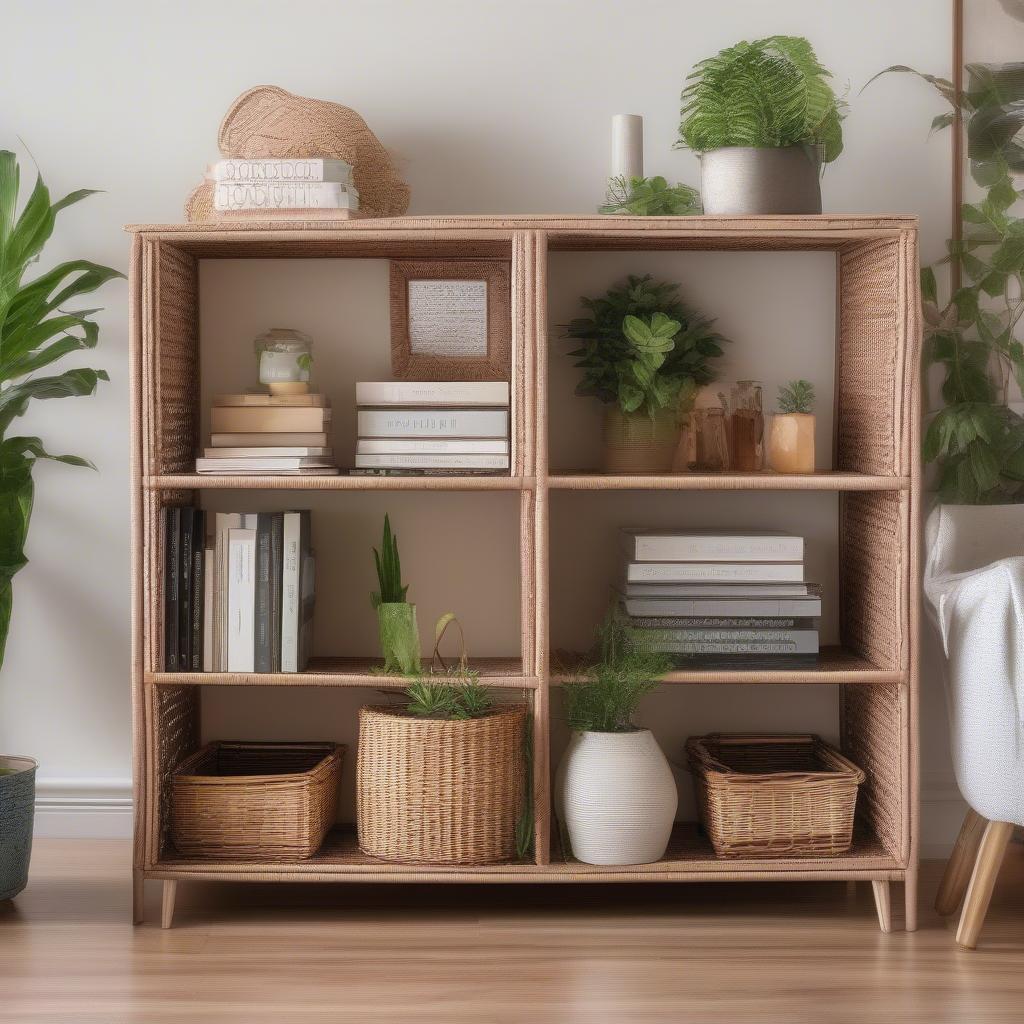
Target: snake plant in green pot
x,y
36,330
396,617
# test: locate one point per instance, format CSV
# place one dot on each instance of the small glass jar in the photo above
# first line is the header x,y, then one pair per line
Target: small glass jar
x,y
284,358
709,439
746,425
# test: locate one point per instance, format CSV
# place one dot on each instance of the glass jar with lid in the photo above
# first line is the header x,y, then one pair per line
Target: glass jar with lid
x,y
284,358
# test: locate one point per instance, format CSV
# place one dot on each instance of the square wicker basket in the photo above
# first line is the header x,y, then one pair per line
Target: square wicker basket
x,y
258,801
774,796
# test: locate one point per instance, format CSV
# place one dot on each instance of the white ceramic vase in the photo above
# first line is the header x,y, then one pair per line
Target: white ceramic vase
x,y
616,797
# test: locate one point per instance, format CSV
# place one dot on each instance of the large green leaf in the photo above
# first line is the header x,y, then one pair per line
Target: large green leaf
x,y
70,384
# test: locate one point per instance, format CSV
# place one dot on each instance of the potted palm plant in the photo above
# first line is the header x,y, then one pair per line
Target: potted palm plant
x,y
643,354
614,791
764,120
36,330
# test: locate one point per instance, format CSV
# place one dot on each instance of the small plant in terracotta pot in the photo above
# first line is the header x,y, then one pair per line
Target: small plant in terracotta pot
x,y
791,441
643,354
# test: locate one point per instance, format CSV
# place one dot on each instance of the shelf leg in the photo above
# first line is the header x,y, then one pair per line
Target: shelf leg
x,y
910,901
167,905
961,862
138,897
883,905
983,880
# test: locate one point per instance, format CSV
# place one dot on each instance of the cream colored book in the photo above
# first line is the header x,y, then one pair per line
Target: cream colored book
x,y
270,439
271,401
245,420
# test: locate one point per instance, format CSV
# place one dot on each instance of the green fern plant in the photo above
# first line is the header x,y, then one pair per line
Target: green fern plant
x,y
642,347
454,696
650,197
768,93
609,691
389,570
796,397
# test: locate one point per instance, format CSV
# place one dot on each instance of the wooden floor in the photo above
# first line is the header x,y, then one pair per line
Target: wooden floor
x,y
726,953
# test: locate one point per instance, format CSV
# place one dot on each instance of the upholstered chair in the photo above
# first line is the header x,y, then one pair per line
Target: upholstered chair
x,y
974,585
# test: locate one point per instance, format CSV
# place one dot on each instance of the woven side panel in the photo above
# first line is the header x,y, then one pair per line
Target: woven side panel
x,y
873,571
177,736
869,384
873,732
177,361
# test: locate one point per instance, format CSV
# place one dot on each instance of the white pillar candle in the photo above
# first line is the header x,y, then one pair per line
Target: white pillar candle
x,y
627,146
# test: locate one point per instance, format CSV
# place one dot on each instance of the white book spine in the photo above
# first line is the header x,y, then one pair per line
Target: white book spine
x,y
224,522
432,462
291,598
740,647
208,610
241,600
721,572
277,169
655,607
436,446
715,589
432,423
653,547
410,392
269,453
251,465
286,195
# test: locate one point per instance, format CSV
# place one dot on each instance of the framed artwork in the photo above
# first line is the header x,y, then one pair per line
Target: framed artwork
x,y
450,320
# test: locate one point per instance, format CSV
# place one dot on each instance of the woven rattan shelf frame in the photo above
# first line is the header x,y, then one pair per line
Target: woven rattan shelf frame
x,y
875,476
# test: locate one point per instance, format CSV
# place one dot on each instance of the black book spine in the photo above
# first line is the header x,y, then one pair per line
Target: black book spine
x,y
276,584
185,590
172,579
261,625
198,602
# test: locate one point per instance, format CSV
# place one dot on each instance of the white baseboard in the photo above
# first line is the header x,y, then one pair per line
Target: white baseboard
x,y
83,808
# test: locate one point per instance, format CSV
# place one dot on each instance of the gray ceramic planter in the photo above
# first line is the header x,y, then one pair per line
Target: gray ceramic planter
x,y
17,807
746,180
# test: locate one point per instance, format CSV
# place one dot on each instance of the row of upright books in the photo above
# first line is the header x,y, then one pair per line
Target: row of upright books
x,y
275,435
239,590
714,597
432,428
299,183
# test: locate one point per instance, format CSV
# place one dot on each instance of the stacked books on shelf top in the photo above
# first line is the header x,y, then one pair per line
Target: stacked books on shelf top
x,y
719,597
432,428
298,183
240,600
272,435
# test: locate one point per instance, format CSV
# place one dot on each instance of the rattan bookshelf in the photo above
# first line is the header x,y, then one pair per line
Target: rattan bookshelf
x,y
875,477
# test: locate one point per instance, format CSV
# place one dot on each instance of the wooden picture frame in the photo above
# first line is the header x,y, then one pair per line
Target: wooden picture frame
x,y
486,349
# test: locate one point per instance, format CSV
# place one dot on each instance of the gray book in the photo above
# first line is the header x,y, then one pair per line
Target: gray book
x,y
805,643
723,622
746,607
262,644
717,589
276,568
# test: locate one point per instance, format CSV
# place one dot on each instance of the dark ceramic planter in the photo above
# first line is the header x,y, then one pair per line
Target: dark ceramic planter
x,y
17,808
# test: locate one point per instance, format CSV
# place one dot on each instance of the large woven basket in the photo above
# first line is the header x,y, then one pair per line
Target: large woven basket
x,y
260,801
440,792
774,796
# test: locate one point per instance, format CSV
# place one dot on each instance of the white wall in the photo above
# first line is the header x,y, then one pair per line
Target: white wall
x,y
490,107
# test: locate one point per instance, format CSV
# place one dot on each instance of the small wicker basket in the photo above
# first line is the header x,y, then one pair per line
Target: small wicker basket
x,y
433,791
774,796
260,801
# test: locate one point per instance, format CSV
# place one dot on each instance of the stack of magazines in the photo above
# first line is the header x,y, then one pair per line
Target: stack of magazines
x,y
721,598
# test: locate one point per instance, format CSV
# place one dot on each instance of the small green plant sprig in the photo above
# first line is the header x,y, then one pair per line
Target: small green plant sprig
x,y
454,696
650,197
796,396
767,93
624,671
389,570
643,348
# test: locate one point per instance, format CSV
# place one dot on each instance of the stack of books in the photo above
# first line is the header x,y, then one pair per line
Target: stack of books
x,y
722,597
300,183
242,599
277,435
432,428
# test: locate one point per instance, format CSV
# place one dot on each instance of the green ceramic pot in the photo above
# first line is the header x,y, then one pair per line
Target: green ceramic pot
x,y
17,808
399,638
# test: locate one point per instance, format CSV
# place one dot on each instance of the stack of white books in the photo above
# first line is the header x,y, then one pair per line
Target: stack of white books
x,y
263,434
720,596
300,183
432,428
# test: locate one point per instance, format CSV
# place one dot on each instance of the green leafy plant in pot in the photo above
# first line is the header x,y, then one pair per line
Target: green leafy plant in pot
x,y
644,354
36,330
396,617
764,120
791,437
615,794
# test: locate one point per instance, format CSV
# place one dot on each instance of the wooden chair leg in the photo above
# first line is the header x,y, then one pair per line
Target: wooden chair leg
x,y
883,905
138,897
167,907
910,901
961,862
983,880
